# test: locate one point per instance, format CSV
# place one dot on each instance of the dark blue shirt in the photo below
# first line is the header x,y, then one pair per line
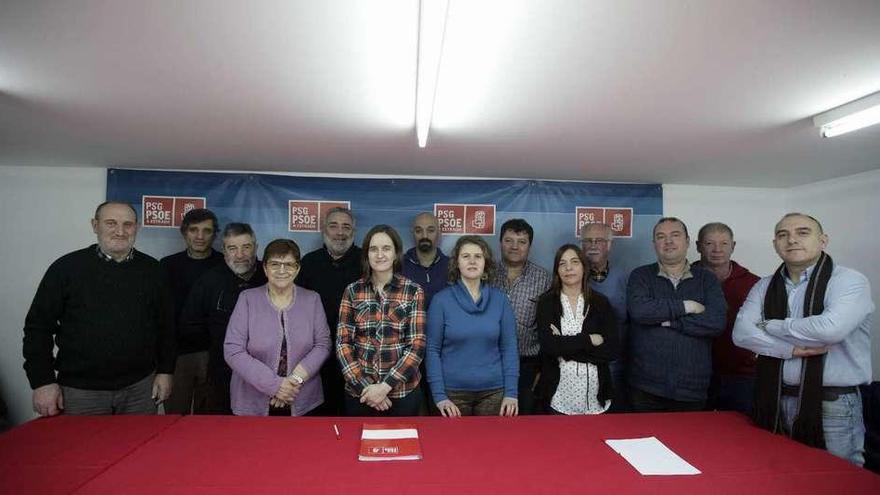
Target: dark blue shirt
x,y
673,360
432,279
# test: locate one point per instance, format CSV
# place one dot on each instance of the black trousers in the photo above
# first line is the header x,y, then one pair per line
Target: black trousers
x,y
642,401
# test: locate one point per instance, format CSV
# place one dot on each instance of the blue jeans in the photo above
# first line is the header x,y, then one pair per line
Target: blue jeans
x,y
843,423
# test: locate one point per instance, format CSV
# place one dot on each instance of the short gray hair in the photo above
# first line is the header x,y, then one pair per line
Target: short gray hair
x,y
115,202
238,228
338,209
609,232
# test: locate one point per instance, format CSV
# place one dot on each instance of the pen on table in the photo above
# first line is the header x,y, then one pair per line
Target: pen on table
x,y
337,431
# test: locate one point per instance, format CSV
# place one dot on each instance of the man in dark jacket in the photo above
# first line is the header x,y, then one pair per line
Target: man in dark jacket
x,y
198,229
675,312
210,304
328,270
108,310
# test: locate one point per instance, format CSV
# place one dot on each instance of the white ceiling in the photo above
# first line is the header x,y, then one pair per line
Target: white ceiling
x,y
689,91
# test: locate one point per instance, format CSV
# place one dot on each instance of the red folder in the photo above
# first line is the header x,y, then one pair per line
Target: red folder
x,y
390,442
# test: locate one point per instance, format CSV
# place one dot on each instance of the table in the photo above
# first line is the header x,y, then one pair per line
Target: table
x,y
489,455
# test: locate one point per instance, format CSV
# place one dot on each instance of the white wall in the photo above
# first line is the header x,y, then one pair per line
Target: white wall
x,y
45,212
750,212
849,209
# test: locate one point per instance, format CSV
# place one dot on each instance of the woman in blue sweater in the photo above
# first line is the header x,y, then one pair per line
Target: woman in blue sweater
x,y
472,360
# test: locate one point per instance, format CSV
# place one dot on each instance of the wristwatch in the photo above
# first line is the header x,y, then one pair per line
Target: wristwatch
x,y
762,324
298,379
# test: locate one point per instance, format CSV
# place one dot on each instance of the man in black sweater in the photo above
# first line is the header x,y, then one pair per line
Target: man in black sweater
x,y
199,229
210,304
108,310
328,270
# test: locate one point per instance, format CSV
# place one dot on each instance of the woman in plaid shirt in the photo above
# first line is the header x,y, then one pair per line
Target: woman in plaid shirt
x,y
380,338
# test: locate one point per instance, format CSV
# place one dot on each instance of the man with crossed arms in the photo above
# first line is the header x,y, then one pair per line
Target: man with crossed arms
x,y
810,324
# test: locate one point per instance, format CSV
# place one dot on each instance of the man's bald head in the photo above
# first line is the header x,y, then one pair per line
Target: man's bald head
x,y
426,232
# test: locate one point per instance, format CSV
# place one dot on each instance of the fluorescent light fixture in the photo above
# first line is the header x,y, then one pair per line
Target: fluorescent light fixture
x,y
850,117
432,27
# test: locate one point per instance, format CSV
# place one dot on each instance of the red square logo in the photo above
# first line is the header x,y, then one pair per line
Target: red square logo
x,y
585,215
620,220
158,211
303,216
183,205
325,206
479,219
450,218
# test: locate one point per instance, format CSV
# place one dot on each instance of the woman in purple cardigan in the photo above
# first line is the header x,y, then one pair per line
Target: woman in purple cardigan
x,y
276,341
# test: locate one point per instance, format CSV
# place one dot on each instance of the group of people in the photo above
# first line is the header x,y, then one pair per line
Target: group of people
x,y
353,330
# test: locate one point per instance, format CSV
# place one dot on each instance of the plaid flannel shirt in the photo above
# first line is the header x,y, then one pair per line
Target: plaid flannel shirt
x,y
523,294
381,339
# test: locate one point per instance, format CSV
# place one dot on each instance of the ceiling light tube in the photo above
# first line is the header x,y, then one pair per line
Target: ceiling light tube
x,y
432,27
854,115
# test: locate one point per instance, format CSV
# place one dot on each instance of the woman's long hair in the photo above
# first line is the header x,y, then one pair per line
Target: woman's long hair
x,y
398,249
556,287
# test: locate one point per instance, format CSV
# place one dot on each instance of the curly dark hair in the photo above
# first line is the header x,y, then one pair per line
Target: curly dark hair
x,y
489,268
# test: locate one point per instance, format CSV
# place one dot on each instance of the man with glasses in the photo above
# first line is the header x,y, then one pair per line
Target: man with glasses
x,y
675,312
198,229
328,270
596,241
210,304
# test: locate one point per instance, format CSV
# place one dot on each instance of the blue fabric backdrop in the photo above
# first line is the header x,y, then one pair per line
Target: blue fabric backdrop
x,y
262,201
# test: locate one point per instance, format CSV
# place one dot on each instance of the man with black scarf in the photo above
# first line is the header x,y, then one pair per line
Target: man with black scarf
x,y
810,324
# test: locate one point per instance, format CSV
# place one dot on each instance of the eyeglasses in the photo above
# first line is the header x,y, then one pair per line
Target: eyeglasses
x,y
597,241
276,266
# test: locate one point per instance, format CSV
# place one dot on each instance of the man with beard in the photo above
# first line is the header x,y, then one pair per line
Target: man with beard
x,y
199,229
210,304
596,240
425,264
108,309
328,270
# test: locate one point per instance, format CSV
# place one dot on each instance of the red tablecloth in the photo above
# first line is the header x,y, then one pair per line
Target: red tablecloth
x,y
60,454
547,454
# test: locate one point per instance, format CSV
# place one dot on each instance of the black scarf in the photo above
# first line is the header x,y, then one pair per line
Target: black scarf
x,y
807,424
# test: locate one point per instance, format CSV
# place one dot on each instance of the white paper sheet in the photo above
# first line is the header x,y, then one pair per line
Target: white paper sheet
x,y
650,457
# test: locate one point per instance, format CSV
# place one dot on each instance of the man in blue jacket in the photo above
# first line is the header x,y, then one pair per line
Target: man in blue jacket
x,y
675,312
